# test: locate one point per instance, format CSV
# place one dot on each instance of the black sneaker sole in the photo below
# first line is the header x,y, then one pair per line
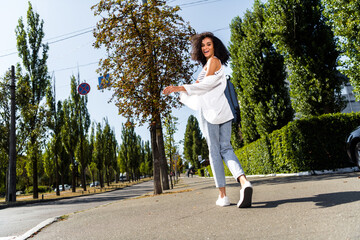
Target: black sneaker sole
x,y
247,198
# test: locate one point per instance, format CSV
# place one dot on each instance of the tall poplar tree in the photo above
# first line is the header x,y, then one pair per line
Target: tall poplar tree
x,y
148,49
129,152
299,31
70,136
259,76
34,55
110,149
54,123
99,153
344,17
21,132
193,142
170,144
79,103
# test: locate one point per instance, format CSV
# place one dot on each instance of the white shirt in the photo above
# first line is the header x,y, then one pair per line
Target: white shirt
x,y
208,97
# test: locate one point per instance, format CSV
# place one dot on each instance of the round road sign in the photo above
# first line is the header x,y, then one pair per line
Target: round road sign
x,y
84,88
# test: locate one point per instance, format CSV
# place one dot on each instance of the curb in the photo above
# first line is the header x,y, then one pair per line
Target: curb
x,y
32,231
22,203
307,173
41,225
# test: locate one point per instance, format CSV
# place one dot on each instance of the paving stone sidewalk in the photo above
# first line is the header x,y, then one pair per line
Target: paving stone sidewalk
x,y
303,207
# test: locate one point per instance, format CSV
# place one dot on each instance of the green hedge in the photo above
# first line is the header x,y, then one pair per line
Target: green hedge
x,y
41,189
315,143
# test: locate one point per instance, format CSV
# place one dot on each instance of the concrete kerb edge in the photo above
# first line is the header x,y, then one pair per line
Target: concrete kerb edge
x,y
306,173
36,229
22,203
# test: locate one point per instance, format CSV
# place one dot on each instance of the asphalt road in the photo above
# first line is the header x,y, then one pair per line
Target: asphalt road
x,y
15,221
304,207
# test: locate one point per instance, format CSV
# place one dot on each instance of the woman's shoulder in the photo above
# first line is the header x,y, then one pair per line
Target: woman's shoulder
x,y
214,65
214,60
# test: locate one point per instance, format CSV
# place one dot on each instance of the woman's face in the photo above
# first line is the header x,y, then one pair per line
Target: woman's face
x,y
207,47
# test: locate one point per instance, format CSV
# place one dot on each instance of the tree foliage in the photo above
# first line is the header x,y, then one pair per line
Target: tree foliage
x,y
110,152
147,49
300,33
33,85
344,17
134,155
194,143
259,76
21,132
171,147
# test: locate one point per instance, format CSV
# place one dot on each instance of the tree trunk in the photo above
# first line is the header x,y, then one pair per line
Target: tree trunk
x,y
108,176
101,177
83,177
35,176
57,175
163,162
156,160
73,182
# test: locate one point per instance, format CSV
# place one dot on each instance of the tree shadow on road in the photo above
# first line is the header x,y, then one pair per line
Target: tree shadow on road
x,y
321,200
293,179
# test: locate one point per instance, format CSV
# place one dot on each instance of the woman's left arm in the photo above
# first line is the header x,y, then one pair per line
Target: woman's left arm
x,y
213,65
171,89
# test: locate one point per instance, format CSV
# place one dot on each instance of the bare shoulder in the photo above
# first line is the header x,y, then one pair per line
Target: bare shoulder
x,y
213,65
214,61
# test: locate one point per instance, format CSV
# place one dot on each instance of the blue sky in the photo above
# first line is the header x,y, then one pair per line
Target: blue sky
x,y
68,53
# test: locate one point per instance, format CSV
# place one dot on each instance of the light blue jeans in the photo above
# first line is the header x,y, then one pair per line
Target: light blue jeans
x,y
218,139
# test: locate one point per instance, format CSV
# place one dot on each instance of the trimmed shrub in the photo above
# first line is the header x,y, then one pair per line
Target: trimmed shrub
x,y
41,189
314,143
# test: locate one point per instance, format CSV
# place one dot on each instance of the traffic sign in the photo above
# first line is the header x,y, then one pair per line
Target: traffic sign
x,y
104,81
84,88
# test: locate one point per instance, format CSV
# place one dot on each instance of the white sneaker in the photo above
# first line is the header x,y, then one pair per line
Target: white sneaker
x,y
222,202
245,195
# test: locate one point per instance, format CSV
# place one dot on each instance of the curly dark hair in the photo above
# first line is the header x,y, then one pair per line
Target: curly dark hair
x,y
220,51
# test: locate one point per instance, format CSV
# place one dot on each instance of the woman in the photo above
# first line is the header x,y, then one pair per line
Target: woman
x,y
207,96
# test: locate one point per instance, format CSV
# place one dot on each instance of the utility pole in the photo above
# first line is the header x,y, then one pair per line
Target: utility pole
x,y
56,143
11,194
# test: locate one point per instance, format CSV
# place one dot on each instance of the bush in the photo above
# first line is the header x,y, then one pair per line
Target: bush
x,y
315,143
41,189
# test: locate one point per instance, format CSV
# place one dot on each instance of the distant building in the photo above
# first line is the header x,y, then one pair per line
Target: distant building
x,y
352,104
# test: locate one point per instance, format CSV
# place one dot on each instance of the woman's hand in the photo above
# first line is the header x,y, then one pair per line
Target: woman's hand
x,y
171,89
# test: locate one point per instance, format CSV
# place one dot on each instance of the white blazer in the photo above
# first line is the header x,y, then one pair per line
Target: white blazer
x,y
208,97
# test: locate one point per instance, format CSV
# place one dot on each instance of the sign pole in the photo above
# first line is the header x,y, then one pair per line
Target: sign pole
x,y
11,195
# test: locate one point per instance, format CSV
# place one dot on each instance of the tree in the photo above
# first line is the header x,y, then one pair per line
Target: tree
x,y
259,76
54,123
83,124
148,48
21,134
193,142
92,164
69,134
63,158
110,149
129,154
146,164
344,17
299,31
99,153
48,160
34,83
170,144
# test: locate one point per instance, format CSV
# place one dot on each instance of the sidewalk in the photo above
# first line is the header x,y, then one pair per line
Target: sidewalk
x,y
305,207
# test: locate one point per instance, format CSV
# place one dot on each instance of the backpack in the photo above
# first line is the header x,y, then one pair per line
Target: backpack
x,y
231,96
